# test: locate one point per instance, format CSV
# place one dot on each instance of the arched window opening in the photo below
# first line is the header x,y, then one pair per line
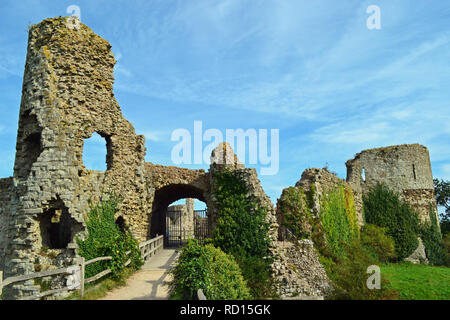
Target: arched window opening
x,y
363,175
97,153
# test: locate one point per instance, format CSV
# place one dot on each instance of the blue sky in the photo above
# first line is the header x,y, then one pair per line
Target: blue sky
x,y
311,69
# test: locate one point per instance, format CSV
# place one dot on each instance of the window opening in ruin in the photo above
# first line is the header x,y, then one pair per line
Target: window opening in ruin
x,y
414,171
97,153
57,226
30,146
363,175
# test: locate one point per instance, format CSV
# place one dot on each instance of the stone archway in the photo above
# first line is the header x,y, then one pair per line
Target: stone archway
x,y
166,196
172,184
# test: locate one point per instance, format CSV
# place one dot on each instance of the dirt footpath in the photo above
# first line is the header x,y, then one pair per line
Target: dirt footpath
x,y
149,283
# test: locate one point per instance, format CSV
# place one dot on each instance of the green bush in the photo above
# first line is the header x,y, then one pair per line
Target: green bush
x,y
349,275
210,269
446,246
378,243
105,239
384,208
432,240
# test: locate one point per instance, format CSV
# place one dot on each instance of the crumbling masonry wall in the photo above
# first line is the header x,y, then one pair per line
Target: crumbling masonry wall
x,y
67,96
325,181
405,169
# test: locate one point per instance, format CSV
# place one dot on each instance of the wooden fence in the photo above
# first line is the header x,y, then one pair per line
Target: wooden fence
x,y
77,272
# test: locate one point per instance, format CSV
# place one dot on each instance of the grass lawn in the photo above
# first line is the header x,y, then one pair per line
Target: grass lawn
x,y
418,282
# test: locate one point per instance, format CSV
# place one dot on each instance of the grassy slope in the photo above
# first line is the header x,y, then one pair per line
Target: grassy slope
x,y
418,282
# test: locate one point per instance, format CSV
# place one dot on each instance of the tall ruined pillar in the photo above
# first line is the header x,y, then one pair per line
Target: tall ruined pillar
x,y
67,96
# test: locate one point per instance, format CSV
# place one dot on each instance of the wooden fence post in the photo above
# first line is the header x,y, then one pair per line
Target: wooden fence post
x,y
82,277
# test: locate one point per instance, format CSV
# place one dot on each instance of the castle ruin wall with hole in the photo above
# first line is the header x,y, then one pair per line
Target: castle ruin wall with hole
x,y
67,96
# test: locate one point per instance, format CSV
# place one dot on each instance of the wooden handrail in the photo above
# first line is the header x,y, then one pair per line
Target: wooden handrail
x,y
70,270
30,276
97,259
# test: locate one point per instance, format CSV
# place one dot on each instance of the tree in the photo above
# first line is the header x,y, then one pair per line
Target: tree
x,y
442,193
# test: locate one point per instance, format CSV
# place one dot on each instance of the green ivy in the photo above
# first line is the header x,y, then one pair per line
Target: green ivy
x,y
295,210
105,239
242,230
379,244
241,226
338,218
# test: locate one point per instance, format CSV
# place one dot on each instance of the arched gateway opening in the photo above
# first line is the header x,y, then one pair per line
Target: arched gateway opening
x,y
178,222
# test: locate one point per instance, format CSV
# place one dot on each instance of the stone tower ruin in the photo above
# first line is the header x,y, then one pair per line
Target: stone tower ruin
x,y
406,169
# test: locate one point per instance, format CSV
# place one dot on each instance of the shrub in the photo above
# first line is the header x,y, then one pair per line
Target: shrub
x,y
385,209
446,246
349,275
378,243
432,238
105,239
210,269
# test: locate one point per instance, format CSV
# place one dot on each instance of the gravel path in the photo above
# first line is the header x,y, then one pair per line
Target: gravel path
x,y
149,283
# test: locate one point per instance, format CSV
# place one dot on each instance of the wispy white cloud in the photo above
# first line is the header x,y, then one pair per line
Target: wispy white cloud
x,y
157,136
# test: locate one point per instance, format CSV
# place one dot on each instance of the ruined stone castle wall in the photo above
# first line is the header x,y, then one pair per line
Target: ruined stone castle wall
x,y
67,96
224,158
6,195
298,271
324,182
406,169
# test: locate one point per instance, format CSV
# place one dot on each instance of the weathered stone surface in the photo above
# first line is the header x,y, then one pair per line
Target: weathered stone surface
x,y
298,271
324,182
418,256
406,169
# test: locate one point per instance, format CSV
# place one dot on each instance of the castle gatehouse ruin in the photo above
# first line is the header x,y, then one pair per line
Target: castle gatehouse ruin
x,y
67,97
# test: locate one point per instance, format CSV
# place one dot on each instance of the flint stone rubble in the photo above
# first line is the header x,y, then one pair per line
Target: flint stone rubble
x,y
299,272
